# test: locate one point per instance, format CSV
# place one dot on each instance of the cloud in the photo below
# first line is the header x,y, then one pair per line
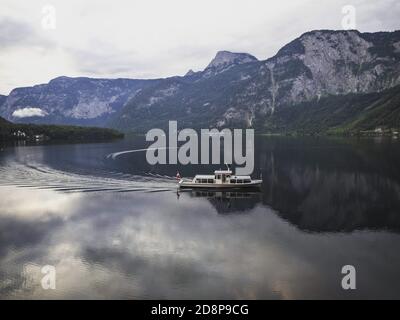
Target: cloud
x,y
14,33
103,61
29,112
152,39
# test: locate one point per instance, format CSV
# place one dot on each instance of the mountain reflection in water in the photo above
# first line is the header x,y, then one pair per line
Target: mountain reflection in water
x,y
335,186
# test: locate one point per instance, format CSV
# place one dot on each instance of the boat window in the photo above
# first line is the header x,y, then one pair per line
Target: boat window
x,y
233,181
210,181
218,176
239,181
203,180
247,181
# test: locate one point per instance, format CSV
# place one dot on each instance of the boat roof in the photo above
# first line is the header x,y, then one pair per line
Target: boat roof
x,y
209,176
223,171
204,176
240,177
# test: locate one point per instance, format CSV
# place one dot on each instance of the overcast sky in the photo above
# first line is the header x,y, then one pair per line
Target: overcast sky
x,y
149,38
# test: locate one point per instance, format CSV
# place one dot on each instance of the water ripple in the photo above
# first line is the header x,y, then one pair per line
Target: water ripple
x,y
41,177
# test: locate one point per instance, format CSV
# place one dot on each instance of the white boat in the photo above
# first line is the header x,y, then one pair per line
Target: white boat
x,y
222,179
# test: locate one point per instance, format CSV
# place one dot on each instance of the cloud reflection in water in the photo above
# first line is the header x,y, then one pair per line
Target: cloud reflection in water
x,y
131,246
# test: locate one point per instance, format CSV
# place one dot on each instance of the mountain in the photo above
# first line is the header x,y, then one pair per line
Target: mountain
x,y
339,114
4,122
64,100
224,60
2,99
32,132
245,92
316,83
189,73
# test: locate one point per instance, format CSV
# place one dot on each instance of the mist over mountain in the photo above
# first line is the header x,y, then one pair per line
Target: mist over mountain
x,y
324,80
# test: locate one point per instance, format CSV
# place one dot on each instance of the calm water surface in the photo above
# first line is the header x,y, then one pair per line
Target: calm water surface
x,y
117,228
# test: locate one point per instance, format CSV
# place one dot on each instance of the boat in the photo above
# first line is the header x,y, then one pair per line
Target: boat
x,y
221,179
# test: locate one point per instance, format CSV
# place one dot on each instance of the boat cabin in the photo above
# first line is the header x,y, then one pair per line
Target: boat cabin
x,y
222,177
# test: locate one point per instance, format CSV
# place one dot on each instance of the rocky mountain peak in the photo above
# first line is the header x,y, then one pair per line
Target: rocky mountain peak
x,y
225,59
189,73
61,79
344,44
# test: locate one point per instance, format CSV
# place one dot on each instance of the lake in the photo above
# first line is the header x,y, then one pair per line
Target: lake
x,y
118,228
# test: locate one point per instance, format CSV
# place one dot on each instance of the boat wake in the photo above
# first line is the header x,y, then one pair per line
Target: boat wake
x,y
114,155
42,177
